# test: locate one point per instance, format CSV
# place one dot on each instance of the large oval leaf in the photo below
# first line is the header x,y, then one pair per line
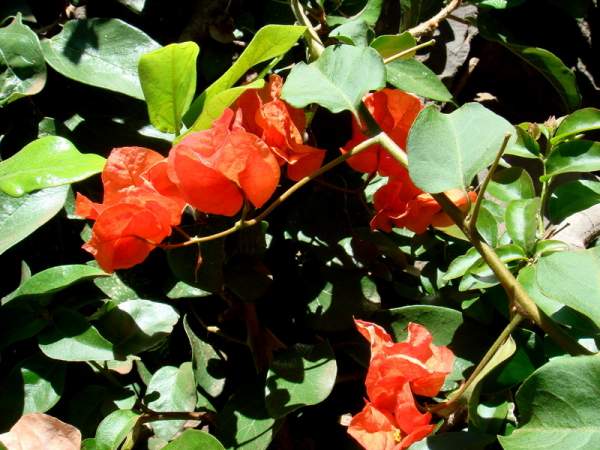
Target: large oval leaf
x,y
338,80
22,65
446,151
513,183
299,376
414,76
114,428
580,121
195,440
554,407
573,156
19,217
100,52
572,197
46,162
521,222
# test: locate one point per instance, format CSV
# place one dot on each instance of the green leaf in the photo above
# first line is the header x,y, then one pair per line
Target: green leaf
x,y
100,52
548,246
446,151
441,322
524,146
572,197
521,222
244,422
72,338
580,121
463,440
414,76
137,6
513,183
168,79
572,278
194,440
392,44
299,376
19,217
354,32
487,225
22,66
208,364
134,326
573,156
497,4
171,389
46,162
338,80
461,264
480,275
184,290
209,275
369,14
114,287
269,42
114,428
53,280
555,409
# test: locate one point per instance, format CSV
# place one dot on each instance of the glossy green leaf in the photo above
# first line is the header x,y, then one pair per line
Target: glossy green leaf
x,y
487,226
370,13
168,79
269,42
115,289
572,278
461,264
171,389
244,422
138,325
446,151
46,162
582,120
72,338
194,440
521,222
462,440
512,183
338,80
22,65
100,52
299,376
497,4
548,246
573,156
355,32
53,280
441,322
414,76
391,44
114,428
19,217
480,275
554,407
184,290
524,146
209,365
137,6
572,197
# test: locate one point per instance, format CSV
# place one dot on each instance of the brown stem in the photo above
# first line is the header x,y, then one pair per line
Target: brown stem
x,y
431,24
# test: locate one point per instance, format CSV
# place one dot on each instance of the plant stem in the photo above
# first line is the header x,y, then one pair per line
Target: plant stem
x,y
543,200
431,24
408,51
315,45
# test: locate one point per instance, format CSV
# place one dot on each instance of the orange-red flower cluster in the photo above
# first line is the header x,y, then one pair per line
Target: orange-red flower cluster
x,y
399,203
214,171
391,419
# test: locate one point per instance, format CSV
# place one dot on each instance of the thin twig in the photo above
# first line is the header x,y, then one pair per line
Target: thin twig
x,y
431,24
408,51
315,45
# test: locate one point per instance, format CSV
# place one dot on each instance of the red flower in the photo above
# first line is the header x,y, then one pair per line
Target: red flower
x,y
216,169
401,204
139,208
280,126
392,420
394,111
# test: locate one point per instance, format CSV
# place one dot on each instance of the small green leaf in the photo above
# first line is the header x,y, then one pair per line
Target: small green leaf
x,y
19,217
524,146
513,183
299,376
114,428
100,52
194,440
72,338
573,156
521,222
572,197
269,42
22,65
554,409
370,13
53,280
548,246
391,44
46,162
168,79
355,32
338,80
487,225
446,151
498,4
461,264
414,76
582,120
171,389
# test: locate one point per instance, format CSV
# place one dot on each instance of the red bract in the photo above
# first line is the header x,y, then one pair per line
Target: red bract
x,y
394,111
139,208
391,419
280,126
216,169
401,204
